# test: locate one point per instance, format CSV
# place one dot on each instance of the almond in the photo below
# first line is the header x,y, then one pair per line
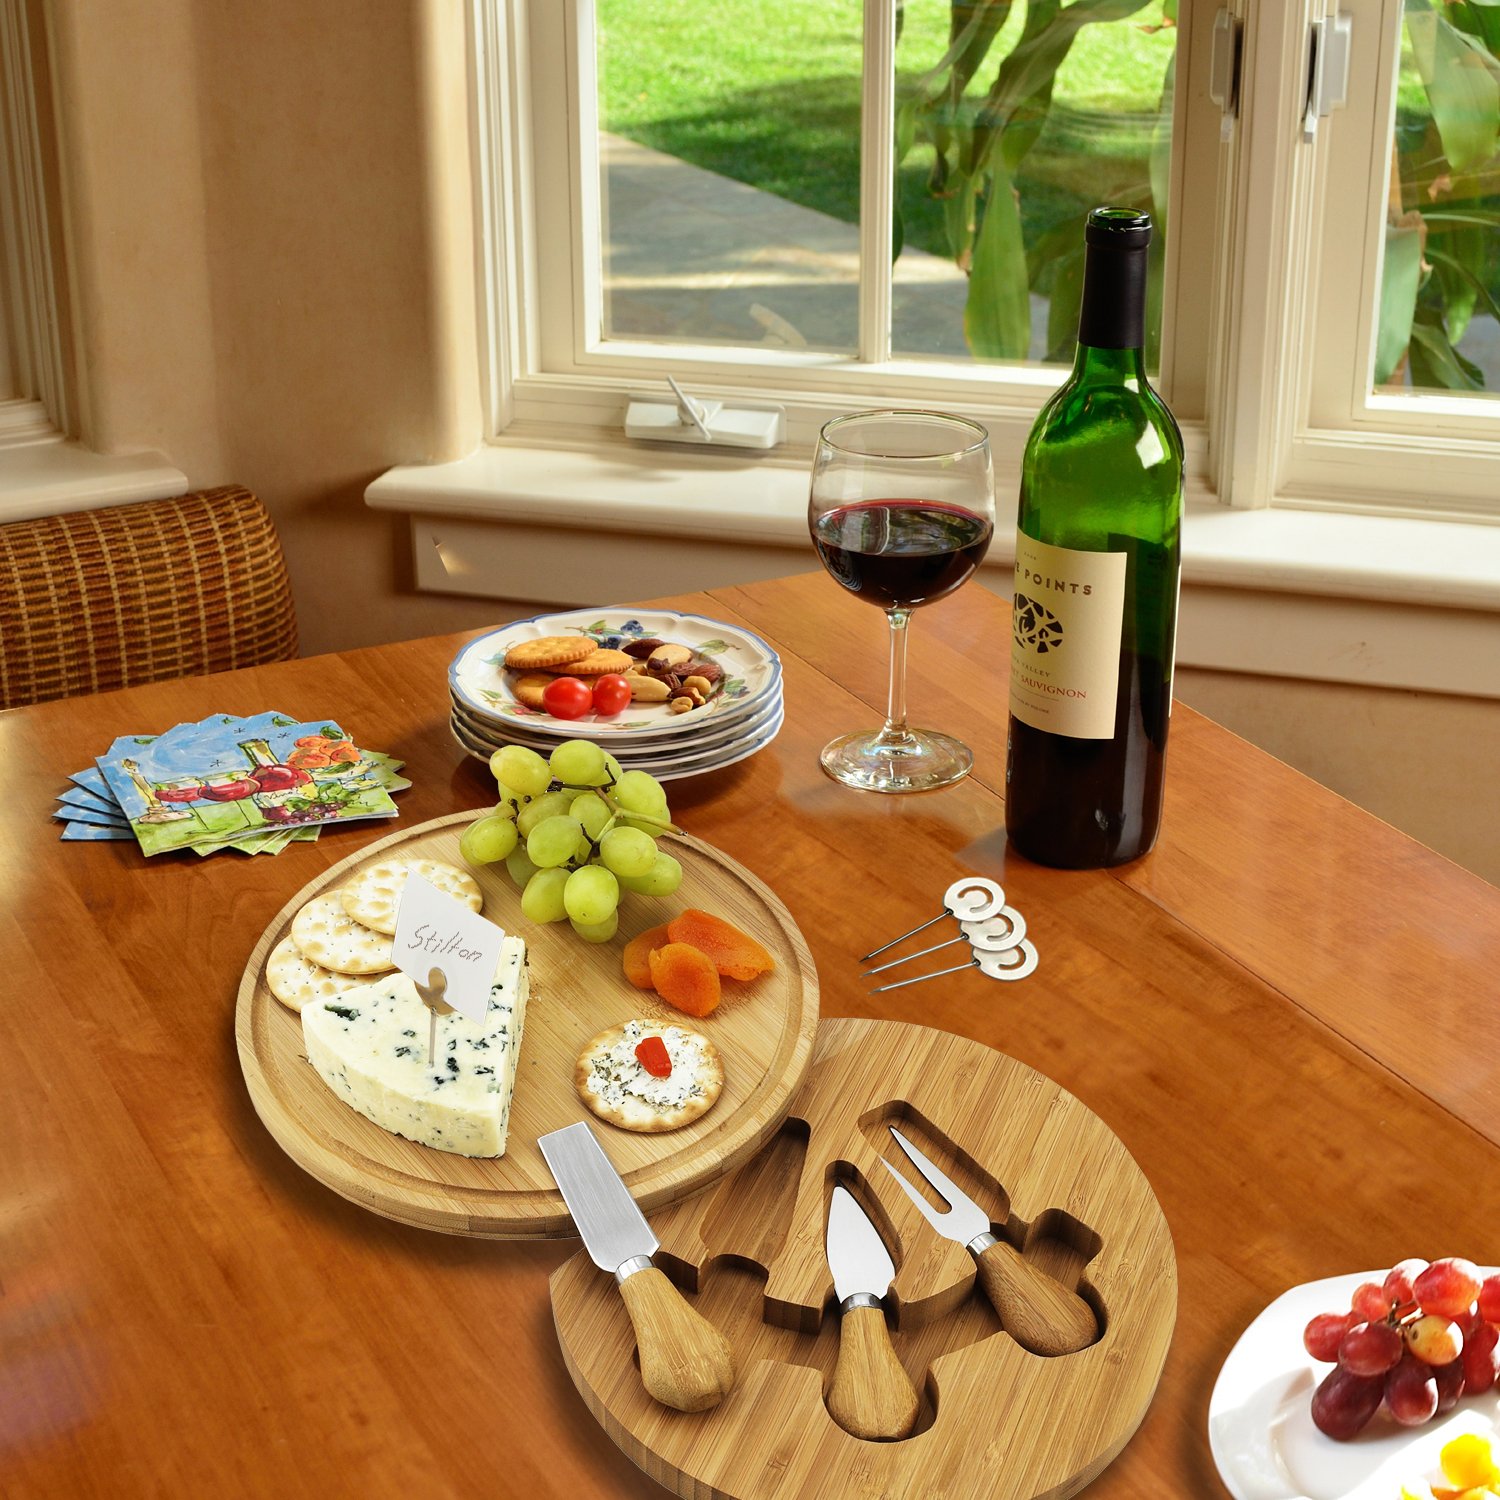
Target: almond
x,y
643,647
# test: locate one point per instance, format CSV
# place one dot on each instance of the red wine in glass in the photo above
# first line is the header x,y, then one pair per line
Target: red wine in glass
x,y
901,554
228,788
279,778
232,788
901,510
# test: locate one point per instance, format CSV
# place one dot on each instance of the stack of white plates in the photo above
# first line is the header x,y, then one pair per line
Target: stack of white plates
x,y
743,717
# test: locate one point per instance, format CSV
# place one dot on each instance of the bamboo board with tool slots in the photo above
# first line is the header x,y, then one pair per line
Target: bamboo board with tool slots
x,y
995,1420
763,1029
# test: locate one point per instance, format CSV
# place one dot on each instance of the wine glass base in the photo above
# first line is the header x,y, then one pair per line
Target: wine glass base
x,y
919,760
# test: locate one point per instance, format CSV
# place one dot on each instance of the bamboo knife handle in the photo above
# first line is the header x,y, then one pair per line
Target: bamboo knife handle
x,y
1038,1312
685,1361
871,1396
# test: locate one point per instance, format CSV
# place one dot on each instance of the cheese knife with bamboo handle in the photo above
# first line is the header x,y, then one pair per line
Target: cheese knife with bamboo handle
x,y
1038,1311
871,1396
685,1361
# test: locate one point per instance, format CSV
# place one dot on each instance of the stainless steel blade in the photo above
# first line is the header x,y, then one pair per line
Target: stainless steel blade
x,y
613,1229
963,1219
856,1253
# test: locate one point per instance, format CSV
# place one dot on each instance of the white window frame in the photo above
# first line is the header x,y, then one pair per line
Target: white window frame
x,y
1262,426
546,375
1282,577
35,400
44,469
1307,432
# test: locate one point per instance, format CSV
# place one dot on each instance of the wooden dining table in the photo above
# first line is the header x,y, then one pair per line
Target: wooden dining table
x,y
1286,1013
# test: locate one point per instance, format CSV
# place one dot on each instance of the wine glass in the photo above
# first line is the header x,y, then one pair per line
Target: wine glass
x,y
233,786
181,789
901,512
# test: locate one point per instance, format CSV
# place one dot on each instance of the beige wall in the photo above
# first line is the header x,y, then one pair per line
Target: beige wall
x,y
246,188
246,191
1427,763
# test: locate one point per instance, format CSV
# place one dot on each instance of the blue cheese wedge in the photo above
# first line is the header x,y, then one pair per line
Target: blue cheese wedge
x,y
370,1047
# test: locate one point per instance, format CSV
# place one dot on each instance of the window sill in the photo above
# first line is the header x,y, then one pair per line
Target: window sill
x,y
1381,600
53,477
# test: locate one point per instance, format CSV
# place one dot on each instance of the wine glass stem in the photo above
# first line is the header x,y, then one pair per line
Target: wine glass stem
x,y
895,732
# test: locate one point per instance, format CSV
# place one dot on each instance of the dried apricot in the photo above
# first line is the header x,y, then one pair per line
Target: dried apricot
x,y
735,954
637,958
685,977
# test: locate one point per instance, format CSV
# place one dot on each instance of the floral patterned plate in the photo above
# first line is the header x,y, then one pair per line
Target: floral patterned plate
x,y
752,670
669,768
721,731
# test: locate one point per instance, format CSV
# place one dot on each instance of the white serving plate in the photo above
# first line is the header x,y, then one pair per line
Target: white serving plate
x,y
752,670
543,728
663,770
721,755
539,731
716,734
1260,1427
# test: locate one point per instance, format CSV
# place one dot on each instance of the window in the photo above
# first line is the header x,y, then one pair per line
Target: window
x,y
1393,411
804,224
733,181
33,384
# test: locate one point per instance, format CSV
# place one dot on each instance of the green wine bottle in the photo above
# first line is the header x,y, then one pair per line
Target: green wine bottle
x,y
1097,564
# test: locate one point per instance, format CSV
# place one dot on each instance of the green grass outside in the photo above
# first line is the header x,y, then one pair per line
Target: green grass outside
x,y
767,92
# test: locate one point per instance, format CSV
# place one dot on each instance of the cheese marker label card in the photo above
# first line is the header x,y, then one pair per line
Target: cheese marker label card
x,y
433,931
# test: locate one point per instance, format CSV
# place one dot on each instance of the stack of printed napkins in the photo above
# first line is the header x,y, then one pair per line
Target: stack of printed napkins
x,y
253,784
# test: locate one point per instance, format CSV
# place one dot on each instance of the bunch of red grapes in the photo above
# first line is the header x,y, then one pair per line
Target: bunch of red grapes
x,y
1415,1342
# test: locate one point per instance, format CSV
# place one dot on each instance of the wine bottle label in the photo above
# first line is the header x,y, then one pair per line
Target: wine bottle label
x,y
1065,638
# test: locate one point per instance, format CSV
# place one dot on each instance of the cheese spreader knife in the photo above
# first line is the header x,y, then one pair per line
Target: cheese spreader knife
x,y
685,1361
871,1396
1037,1311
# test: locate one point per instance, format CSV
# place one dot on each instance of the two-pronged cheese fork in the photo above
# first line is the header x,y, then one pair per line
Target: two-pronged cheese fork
x,y
1037,1311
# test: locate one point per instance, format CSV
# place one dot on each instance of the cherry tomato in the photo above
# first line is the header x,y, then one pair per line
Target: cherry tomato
x,y
611,695
567,698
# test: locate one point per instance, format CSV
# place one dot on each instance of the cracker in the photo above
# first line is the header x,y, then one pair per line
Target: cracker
x,y
328,936
296,982
597,663
372,897
548,651
527,689
614,1086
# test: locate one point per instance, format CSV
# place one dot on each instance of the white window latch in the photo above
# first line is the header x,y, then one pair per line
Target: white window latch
x,y
1327,71
696,421
1224,71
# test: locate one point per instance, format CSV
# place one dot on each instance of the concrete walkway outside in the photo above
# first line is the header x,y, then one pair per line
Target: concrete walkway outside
x,y
690,255
693,255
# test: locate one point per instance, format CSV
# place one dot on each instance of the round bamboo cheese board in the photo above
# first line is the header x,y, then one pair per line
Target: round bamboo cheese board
x,y
995,1419
764,1031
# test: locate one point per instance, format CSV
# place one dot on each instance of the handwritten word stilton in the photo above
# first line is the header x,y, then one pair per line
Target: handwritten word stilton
x,y
432,942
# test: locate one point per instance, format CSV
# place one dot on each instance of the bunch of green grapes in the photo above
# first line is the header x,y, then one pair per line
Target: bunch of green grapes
x,y
574,831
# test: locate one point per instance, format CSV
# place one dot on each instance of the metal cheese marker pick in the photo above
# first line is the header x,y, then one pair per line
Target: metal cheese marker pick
x,y
993,935
1008,964
970,899
432,997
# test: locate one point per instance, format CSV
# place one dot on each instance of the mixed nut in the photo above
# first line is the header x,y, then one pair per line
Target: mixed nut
x,y
666,672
